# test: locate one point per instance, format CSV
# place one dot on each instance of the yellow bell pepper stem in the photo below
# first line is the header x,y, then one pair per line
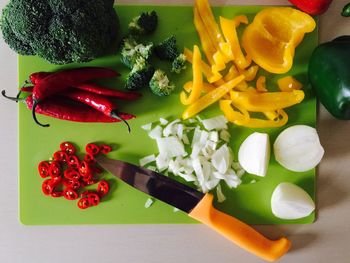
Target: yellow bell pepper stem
x,y
289,83
210,98
228,28
241,19
267,101
210,76
261,84
197,79
207,45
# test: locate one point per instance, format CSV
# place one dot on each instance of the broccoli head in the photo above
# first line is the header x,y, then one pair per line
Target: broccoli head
x,y
144,24
167,49
140,75
160,84
60,31
131,51
179,64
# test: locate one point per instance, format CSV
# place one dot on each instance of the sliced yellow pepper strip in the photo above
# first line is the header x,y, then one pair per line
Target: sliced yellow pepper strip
x,y
228,28
271,115
289,83
241,19
212,27
197,79
211,77
267,101
231,114
219,62
207,45
259,123
241,120
233,73
205,88
261,84
210,98
249,73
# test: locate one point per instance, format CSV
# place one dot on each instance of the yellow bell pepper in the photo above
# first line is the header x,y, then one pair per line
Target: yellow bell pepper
x,y
208,19
249,73
210,98
270,40
288,84
267,101
206,88
197,79
219,62
261,84
233,73
228,28
242,119
241,19
210,76
207,45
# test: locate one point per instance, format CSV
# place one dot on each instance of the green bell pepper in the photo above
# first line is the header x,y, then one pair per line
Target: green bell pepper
x,y
329,75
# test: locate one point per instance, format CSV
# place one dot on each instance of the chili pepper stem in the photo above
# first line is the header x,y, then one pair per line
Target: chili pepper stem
x,y
115,114
35,104
16,99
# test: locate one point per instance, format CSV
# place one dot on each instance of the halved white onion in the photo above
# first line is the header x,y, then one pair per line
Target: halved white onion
x,y
298,148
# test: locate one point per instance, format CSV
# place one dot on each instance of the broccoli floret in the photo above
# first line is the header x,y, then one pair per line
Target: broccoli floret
x,y
131,51
144,24
167,49
160,84
60,31
179,64
140,75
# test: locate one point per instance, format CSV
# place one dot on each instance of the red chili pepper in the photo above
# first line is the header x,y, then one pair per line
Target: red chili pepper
x,y
94,199
86,192
54,169
68,148
47,187
95,88
87,182
60,156
60,108
70,194
89,158
105,149
102,188
84,169
56,194
73,161
91,87
43,169
56,181
312,7
75,185
98,102
62,80
71,174
92,149
84,203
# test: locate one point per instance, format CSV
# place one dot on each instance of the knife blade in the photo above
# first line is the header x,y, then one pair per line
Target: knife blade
x,y
197,205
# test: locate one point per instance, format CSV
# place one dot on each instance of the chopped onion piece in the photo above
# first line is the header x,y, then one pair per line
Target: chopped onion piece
x,y
220,195
170,147
153,168
180,130
149,202
222,159
225,135
163,121
196,136
147,127
176,210
148,159
156,132
216,123
162,162
214,136
185,139
169,129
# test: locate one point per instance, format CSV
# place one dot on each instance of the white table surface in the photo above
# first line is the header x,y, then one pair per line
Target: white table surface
x,y
327,240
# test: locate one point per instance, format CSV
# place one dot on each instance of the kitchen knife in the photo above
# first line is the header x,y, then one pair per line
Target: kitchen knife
x,y
197,205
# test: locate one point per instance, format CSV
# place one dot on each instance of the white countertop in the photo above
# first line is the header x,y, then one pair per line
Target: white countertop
x,y
327,240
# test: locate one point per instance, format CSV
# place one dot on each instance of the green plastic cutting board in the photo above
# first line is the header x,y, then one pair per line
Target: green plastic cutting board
x,y
250,202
